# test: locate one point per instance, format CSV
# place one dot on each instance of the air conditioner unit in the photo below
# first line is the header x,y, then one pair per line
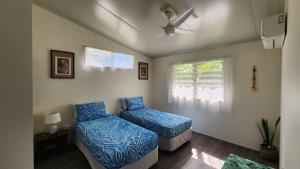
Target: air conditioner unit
x,y
273,31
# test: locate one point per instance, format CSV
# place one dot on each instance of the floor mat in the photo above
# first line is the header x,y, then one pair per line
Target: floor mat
x,y
237,162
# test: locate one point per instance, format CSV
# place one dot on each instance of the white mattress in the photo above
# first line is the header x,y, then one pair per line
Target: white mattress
x,y
171,144
144,163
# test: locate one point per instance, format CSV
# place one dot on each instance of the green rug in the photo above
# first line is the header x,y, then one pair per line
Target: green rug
x,y
237,162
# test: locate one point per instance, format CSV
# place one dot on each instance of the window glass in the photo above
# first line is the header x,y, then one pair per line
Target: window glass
x,y
203,80
182,85
122,61
102,59
97,58
210,81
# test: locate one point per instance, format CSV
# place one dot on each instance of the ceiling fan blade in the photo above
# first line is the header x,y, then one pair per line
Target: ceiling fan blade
x,y
180,31
159,35
183,17
188,30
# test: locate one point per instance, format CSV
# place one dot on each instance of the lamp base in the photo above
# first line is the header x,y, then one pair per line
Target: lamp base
x,y
52,128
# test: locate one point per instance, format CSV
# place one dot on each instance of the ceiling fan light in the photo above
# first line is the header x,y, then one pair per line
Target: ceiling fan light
x,y
170,31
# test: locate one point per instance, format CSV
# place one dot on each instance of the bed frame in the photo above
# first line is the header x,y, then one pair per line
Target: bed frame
x,y
171,144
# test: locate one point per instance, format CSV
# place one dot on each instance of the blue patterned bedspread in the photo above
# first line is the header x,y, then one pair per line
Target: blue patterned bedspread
x,y
115,142
165,124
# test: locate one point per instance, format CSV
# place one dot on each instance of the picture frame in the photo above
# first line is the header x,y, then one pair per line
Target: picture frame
x,y
62,64
143,71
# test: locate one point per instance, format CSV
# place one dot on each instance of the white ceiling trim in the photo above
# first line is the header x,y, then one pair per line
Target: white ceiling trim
x,y
120,18
253,18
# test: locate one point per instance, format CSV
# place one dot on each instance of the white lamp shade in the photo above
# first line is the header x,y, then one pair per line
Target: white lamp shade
x,y
52,118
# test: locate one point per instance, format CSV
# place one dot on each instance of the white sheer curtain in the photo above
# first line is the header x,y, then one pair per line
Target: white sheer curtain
x,y
202,83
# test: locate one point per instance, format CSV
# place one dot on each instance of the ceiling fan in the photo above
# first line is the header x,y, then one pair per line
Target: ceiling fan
x,y
173,26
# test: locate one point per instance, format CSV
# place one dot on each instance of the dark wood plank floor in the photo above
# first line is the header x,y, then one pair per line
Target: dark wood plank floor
x,y
202,152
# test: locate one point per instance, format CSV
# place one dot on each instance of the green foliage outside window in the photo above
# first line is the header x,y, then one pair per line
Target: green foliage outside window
x,y
183,69
210,67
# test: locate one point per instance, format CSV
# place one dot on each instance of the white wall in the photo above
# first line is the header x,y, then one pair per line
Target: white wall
x,y
290,103
16,136
248,107
51,31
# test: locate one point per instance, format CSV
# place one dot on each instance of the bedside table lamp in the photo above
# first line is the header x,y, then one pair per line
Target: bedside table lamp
x,y
51,119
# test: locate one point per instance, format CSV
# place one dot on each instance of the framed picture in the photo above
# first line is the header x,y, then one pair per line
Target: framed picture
x,y
62,64
143,71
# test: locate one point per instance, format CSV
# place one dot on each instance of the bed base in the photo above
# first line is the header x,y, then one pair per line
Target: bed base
x,y
171,144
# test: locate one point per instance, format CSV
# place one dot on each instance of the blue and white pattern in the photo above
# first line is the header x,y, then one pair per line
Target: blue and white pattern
x,y
115,142
133,103
90,111
164,124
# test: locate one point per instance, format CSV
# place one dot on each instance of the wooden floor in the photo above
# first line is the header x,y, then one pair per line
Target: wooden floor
x,y
202,152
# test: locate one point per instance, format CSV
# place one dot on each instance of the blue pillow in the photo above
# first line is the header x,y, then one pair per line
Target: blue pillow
x,y
134,103
90,111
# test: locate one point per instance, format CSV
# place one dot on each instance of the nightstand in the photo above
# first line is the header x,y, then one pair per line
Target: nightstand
x,y
45,143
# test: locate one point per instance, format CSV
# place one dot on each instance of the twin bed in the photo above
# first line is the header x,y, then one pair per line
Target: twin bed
x,y
173,130
110,142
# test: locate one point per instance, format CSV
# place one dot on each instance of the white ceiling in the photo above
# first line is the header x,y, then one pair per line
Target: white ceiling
x,y
135,23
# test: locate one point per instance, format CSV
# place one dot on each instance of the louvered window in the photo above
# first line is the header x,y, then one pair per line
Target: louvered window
x,y
201,80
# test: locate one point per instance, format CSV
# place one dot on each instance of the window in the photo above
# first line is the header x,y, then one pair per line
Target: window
x,y
201,80
122,61
182,81
106,59
97,58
